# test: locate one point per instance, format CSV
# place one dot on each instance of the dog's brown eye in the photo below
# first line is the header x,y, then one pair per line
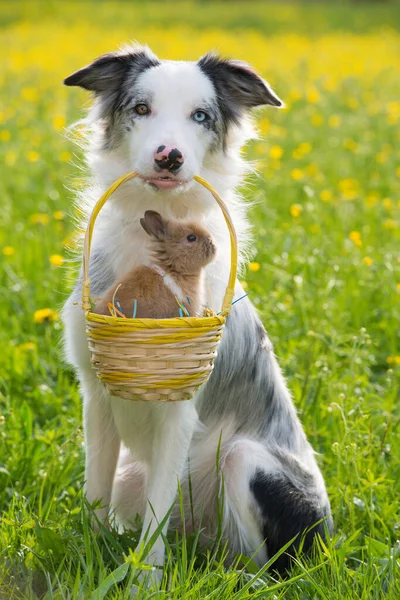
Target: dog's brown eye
x,y
191,238
142,109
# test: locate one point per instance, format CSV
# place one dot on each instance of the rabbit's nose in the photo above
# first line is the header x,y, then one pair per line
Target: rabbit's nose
x,y
168,159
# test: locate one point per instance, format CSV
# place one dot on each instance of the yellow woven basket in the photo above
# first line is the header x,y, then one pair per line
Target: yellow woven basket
x,y
157,360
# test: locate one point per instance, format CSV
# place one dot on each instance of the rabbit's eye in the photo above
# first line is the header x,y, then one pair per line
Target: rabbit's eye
x,y
191,238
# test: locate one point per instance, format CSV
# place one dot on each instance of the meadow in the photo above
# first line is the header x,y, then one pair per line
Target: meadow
x,y
325,277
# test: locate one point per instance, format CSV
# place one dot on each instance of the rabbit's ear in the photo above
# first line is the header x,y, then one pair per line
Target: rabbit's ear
x,y
154,224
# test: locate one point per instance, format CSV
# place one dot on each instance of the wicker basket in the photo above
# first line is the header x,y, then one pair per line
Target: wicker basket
x,y
157,360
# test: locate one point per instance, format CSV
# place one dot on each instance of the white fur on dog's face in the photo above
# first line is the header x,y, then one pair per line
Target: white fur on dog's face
x,y
173,91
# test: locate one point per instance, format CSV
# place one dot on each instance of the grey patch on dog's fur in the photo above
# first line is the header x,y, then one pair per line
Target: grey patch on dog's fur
x,y
238,87
246,383
100,274
112,78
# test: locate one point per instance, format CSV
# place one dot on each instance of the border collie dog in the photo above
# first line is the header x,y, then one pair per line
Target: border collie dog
x,y
169,121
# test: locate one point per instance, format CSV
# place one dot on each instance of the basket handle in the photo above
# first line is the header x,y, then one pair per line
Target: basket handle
x,y
230,290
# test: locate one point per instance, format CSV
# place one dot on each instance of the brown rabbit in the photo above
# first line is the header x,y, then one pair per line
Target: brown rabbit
x,y
180,250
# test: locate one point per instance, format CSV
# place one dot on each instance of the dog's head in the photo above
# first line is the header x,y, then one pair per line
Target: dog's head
x,y
168,118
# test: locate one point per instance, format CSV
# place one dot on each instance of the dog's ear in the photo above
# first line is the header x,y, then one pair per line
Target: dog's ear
x,y
154,224
237,81
106,73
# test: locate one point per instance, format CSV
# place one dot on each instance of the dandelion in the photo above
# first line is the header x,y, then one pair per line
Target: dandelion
x,y
393,360
353,103
313,95
296,210
10,158
276,152
33,156
59,122
317,120
5,135
45,315
387,203
27,346
368,261
58,215
398,287
350,144
315,228
8,250
326,195
390,224
355,237
39,219
381,158
334,121
56,260
254,267
244,285
294,94
297,174
65,156
30,94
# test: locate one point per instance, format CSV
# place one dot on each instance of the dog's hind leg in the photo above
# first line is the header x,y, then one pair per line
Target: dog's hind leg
x,y
264,494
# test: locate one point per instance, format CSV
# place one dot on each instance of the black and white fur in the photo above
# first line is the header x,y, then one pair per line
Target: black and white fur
x,y
136,451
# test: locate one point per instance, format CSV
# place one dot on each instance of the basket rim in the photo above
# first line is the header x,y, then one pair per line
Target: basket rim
x,y
171,323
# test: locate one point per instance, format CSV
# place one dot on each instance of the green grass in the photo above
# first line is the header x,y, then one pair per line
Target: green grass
x,y
329,298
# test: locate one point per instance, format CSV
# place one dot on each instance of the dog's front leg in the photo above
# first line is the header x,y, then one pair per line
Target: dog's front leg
x,y
102,443
172,437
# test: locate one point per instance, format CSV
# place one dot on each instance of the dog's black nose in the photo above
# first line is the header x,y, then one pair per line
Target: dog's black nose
x,y
170,159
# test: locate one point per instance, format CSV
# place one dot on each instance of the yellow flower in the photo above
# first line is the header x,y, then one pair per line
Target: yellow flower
x,y
334,121
59,122
390,224
312,95
27,346
296,210
65,156
5,136
244,285
30,94
381,158
10,158
56,260
355,237
276,152
264,125
39,218
398,172
33,156
326,195
372,199
350,144
317,120
8,250
368,261
315,228
58,215
294,94
254,266
297,174
398,287
45,314
393,360
352,103
387,203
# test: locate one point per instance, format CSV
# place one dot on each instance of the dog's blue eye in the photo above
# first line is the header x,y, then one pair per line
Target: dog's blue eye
x,y
191,238
199,116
